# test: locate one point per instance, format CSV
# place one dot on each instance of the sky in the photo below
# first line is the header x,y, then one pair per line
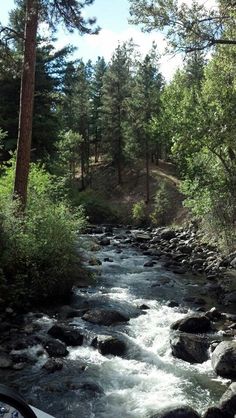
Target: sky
x,y
112,16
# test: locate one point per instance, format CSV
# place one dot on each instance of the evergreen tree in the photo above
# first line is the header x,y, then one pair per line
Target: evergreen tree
x,y
96,105
53,12
116,91
144,104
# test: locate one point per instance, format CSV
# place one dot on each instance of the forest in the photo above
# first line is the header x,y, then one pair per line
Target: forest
x,y
118,114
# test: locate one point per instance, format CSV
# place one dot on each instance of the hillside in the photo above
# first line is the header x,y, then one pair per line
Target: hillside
x,y
123,197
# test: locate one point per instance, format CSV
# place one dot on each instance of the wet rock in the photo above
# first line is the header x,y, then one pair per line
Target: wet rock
x,y
144,307
189,347
67,334
177,412
109,345
213,412
213,314
105,241
56,348
5,361
228,401
224,359
149,264
192,324
108,260
67,312
104,317
53,365
172,304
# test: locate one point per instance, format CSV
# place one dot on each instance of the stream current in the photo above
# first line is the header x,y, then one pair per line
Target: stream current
x,y
148,378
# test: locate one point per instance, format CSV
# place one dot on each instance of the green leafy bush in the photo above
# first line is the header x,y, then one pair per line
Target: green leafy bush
x,y
96,207
139,213
38,254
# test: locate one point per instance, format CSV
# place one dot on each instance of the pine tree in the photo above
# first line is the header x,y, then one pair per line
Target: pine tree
x,y
143,106
116,90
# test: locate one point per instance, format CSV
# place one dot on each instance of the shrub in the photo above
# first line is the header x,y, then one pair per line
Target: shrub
x,y
139,213
38,252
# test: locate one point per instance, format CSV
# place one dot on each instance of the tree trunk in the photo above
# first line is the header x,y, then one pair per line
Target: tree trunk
x,y
26,103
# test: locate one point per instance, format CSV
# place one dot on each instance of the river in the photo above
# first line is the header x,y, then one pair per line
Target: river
x,y
148,377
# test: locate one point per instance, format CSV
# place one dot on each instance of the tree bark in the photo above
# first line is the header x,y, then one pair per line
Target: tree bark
x,y
26,103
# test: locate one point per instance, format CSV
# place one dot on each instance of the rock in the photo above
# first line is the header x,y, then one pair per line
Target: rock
x,y
213,314
142,237
67,312
177,412
172,304
5,361
213,412
167,234
56,348
144,307
149,264
53,365
224,359
230,297
104,316
228,401
192,324
67,334
105,241
108,260
185,249
189,347
109,345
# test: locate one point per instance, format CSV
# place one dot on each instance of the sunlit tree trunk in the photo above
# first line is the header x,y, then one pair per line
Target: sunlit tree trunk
x,y
26,103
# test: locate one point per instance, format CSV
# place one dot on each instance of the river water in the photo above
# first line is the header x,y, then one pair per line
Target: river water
x,y
148,378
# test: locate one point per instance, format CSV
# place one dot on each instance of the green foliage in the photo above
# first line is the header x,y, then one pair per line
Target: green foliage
x,y
38,249
95,205
139,213
162,205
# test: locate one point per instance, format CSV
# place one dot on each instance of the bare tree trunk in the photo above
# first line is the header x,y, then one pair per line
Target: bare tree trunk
x,y
26,103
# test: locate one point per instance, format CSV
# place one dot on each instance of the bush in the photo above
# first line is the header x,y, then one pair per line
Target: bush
x,y
96,207
139,213
38,252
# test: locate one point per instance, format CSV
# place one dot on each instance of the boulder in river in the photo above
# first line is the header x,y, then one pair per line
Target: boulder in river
x,y
228,401
109,345
56,348
213,412
193,324
53,364
189,347
69,335
224,359
177,412
104,316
